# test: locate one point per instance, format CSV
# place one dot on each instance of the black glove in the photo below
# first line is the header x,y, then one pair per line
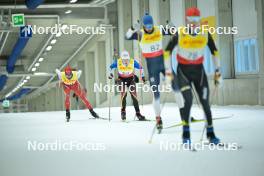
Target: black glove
x,y
143,79
136,79
111,76
217,77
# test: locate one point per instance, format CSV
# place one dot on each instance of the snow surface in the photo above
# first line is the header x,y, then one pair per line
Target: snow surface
x,y
127,149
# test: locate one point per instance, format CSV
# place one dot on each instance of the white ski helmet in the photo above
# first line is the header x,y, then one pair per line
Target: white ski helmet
x,y
125,55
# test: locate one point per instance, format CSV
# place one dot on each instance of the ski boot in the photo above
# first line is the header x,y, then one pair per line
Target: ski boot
x,y
159,124
93,113
186,139
123,115
211,136
68,115
186,135
140,116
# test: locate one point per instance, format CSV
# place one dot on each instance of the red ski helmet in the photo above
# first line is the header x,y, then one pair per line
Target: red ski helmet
x,y
193,11
68,70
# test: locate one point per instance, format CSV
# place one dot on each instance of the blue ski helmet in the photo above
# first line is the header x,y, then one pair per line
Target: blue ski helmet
x,y
147,21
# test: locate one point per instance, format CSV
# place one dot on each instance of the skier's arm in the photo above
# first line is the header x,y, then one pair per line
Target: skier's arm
x,y
58,73
214,51
137,65
111,68
133,34
113,65
171,45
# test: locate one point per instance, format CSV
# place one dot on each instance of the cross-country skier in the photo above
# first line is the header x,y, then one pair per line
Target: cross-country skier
x,y
150,39
125,66
69,80
190,56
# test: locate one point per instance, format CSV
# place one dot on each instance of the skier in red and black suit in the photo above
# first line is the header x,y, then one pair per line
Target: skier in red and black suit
x,y
190,56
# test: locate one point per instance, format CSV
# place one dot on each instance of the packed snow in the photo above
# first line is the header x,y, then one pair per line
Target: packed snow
x,y
117,148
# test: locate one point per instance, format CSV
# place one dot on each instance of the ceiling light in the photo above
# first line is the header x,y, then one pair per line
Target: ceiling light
x,y
37,64
41,73
68,11
53,41
73,1
49,48
41,59
28,77
34,69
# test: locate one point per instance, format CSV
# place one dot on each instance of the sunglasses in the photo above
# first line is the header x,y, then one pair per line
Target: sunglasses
x,y
148,26
194,19
69,75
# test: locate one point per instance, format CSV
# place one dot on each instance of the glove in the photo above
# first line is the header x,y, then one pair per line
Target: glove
x,y
135,27
170,24
217,77
168,77
136,79
57,71
143,79
111,76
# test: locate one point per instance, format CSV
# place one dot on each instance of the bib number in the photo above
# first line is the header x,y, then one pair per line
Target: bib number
x,y
193,55
155,47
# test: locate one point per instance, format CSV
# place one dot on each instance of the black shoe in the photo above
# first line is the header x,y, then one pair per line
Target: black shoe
x,y
68,115
211,136
93,113
140,116
123,115
159,124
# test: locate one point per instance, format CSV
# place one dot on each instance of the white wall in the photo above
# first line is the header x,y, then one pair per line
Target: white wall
x,y
245,18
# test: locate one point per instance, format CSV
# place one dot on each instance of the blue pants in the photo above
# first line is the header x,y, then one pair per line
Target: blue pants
x,y
155,67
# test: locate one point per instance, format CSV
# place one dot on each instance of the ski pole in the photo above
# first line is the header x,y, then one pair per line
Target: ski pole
x,y
109,102
140,61
154,129
115,55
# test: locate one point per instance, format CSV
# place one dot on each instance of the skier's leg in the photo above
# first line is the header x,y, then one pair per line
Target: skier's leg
x,y
133,93
123,99
81,93
67,91
185,87
154,83
155,67
202,89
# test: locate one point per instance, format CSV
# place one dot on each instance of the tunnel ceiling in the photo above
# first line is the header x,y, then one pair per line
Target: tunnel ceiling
x,y
65,46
